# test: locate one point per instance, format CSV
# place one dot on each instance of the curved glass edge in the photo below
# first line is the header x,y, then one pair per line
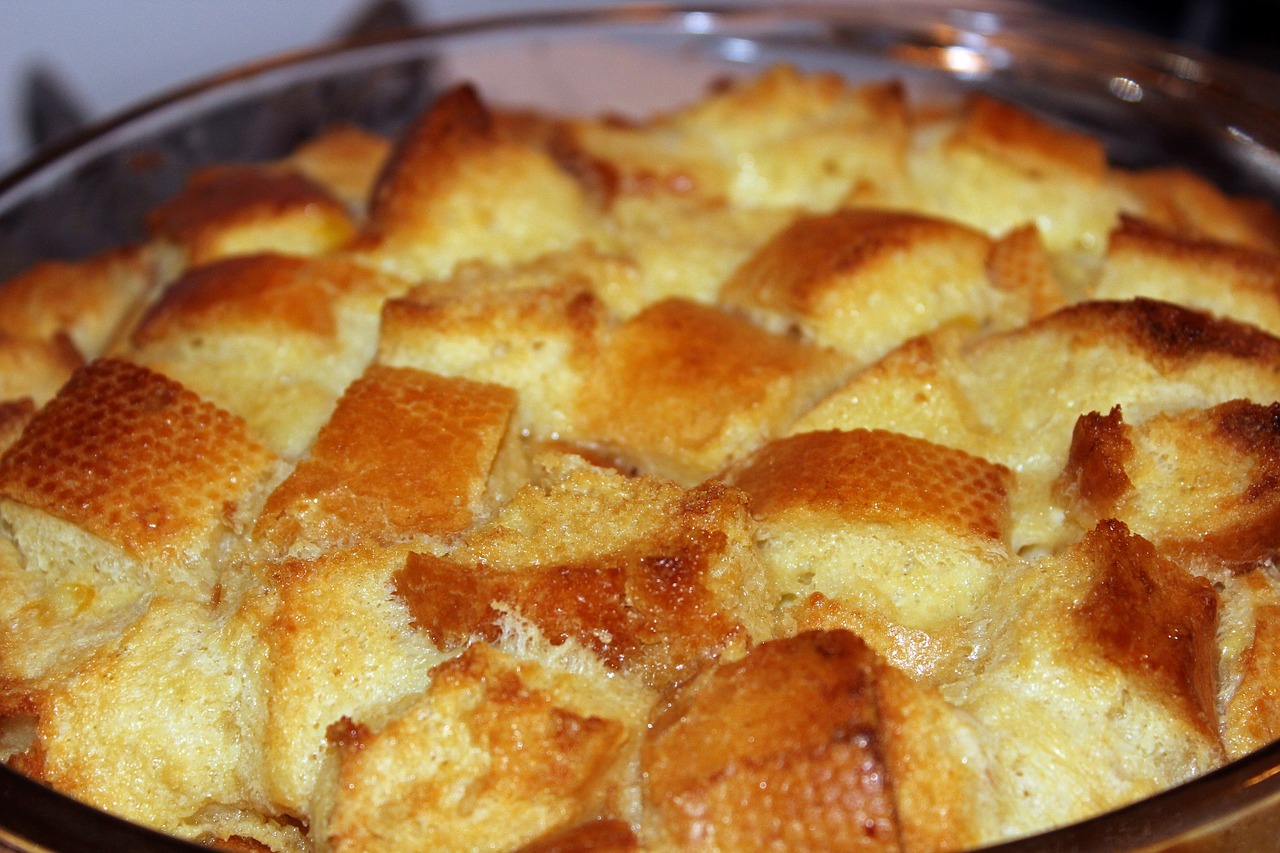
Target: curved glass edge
x,y
1007,51
38,819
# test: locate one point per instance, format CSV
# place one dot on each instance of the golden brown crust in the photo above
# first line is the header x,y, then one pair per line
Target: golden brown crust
x,y
878,476
534,763
227,210
655,605
685,388
83,299
346,160
1095,469
1153,620
863,280
1223,278
135,459
798,715
35,367
406,453
258,291
1015,136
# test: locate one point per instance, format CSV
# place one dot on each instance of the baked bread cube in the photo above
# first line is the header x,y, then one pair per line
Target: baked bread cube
x,y
407,454
229,210
315,320
1221,278
682,389
757,753
652,579
496,753
454,190
83,300
126,474
909,538
1099,681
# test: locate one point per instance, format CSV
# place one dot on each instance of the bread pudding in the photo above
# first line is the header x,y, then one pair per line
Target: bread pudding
x,y
806,468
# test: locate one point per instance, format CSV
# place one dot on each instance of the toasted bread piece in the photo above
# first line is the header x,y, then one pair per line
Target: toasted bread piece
x,y
915,390
346,160
909,536
682,246
126,471
314,319
863,281
682,389
755,755
1021,267
1224,279
1127,641
782,139
106,735
341,646
454,190
652,579
35,368
497,753
243,209
1201,484
538,329
85,300
1194,209
406,454
999,167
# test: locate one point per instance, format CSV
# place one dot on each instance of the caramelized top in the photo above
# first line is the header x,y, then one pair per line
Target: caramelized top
x,y
134,458
878,476
1015,136
1154,620
799,716
405,453
232,208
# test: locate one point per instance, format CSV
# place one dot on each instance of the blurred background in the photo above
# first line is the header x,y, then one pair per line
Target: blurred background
x,y
63,62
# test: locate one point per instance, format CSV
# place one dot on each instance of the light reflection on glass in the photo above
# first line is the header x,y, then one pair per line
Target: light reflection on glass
x,y
1125,89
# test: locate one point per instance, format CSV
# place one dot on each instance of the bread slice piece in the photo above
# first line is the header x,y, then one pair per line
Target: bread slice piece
x,y
126,474
406,454
341,646
682,389
85,300
242,209
496,753
652,579
536,327
782,139
346,160
315,320
863,281
106,735
909,537
454,189
1100,682
997,167
1200,484
812,743
1220,278
35,368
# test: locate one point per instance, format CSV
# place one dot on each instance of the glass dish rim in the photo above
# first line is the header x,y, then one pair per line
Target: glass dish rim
x,y
1197,805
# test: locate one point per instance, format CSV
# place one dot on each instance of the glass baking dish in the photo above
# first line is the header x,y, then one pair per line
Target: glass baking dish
x,y
1150,102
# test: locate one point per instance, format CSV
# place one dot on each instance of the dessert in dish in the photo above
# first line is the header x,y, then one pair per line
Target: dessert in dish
x,y
805,468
